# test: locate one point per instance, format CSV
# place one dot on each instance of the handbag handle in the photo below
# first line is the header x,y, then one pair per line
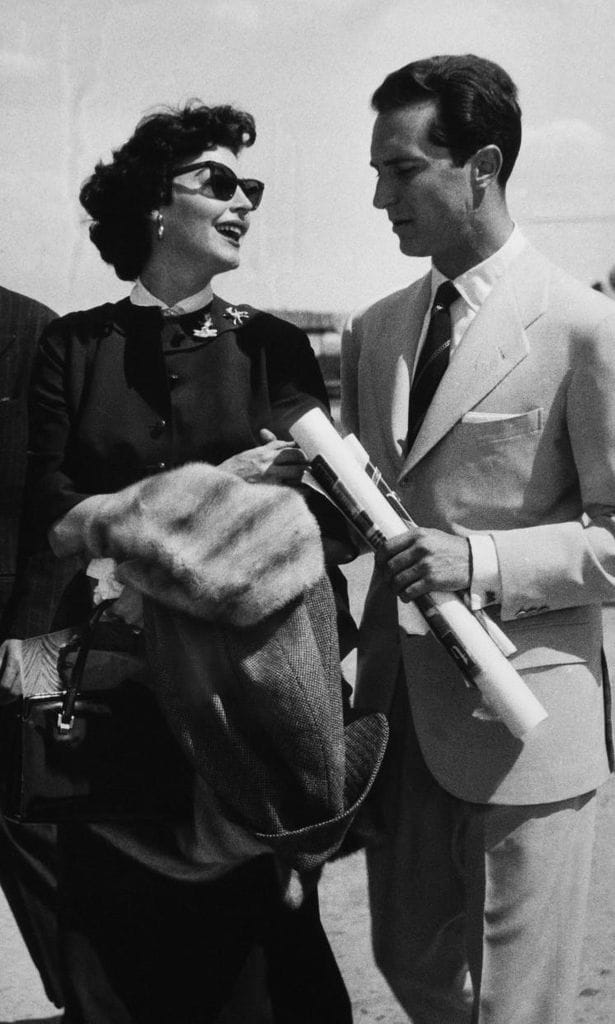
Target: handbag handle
x,y
72,678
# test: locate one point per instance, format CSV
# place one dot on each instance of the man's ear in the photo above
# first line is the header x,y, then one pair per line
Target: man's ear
x,y
486,166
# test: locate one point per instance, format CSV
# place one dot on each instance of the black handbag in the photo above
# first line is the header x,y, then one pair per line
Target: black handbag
x,y
102,754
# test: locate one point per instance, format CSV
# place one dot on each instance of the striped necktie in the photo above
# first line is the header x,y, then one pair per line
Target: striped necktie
x,y
433,358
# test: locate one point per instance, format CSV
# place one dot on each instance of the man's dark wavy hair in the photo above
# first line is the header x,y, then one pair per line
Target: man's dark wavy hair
x,y
121,194
476,102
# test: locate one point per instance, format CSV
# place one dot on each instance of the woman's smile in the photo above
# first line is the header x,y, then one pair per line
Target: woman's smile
x,y
232,230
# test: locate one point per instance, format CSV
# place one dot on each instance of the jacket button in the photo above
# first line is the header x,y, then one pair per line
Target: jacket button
x,y
173,379
158,429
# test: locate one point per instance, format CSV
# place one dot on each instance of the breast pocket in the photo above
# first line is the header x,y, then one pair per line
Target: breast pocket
x,y
486,429
494,459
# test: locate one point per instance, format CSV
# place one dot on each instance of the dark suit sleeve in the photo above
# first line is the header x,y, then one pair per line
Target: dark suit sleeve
x,y
41,578
27,852
58,381
21,322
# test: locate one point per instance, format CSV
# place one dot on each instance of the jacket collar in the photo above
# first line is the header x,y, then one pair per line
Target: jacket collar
x,y
130,319
229,316
493,345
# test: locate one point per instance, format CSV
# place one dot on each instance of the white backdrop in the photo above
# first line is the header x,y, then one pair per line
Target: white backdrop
x,y
76,75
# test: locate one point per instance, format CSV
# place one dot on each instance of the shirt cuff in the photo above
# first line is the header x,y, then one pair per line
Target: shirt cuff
x,y
485,585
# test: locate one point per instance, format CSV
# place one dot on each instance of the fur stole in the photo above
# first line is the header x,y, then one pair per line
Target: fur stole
x,y
202,541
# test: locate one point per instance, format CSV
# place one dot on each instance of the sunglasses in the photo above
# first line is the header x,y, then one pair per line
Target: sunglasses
x,y
223,182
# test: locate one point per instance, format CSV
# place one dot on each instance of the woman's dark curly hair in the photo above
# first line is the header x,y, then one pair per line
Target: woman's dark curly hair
x,y
120,195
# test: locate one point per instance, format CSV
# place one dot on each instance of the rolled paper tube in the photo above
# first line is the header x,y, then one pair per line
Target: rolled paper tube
x,y
316,435
500,684
353,444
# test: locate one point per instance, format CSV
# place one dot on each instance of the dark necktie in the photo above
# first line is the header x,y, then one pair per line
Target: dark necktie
x,y
433,359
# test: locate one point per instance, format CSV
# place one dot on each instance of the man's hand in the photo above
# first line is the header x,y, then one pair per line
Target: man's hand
x,y
278,462
421,561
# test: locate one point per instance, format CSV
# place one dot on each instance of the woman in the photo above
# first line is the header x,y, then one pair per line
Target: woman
x,y
172,374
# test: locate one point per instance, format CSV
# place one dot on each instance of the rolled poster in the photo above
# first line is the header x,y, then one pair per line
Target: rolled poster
x,y
478,658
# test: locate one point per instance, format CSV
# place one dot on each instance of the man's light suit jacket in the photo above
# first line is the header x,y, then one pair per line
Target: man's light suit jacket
x,y
537,474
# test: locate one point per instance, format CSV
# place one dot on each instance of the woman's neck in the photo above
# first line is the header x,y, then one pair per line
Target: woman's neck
x,y
172,284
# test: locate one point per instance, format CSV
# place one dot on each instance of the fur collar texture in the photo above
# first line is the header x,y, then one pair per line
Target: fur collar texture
x,y
202,541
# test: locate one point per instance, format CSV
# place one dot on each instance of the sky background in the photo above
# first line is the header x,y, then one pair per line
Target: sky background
x,y
76,76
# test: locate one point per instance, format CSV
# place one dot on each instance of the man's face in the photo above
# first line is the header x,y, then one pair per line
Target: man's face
x,y
427,198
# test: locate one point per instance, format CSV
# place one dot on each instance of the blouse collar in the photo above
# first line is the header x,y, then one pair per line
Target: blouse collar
x,y
140,296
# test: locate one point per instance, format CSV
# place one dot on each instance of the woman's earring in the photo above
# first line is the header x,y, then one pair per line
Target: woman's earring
x,y
159,225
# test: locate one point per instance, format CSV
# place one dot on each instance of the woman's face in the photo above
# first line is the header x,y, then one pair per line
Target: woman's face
x,y
198,228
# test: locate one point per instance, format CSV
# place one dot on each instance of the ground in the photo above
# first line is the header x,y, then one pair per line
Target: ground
x,y
345,913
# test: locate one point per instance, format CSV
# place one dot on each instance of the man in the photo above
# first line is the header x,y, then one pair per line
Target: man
x,y
495,417
27,852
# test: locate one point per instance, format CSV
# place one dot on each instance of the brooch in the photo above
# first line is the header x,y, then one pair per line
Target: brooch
x,y
236,315
207,329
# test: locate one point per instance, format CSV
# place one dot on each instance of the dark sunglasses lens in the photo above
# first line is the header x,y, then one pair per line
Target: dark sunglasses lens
x,y
253,190
223,182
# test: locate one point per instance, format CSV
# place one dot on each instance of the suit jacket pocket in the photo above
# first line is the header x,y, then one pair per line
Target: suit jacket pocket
x,y
496,430
566,637
479,476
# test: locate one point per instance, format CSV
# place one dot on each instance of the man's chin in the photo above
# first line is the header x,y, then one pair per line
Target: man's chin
x,y
409,245
410,248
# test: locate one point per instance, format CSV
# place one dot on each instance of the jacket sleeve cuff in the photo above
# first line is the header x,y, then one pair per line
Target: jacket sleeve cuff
x,y
485,587
559,565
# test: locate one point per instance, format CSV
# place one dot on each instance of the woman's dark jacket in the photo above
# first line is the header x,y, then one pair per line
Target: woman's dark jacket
x,y
120,392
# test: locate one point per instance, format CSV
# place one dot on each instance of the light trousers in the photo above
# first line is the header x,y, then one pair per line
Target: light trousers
x,y
499,890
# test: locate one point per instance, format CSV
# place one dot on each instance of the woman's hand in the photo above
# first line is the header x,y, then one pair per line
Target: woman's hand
x,y
275,462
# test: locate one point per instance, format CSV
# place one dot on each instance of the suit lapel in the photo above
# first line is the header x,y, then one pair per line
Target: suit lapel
x,y
397,359
493,345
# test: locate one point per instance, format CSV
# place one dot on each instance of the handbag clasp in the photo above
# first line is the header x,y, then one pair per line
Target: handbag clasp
x,y
63,726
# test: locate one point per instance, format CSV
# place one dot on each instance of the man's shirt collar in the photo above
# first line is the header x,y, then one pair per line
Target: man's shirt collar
x,y
475,284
